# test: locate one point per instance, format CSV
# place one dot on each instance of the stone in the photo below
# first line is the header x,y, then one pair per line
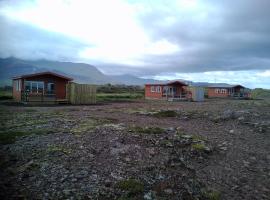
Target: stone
x,y
168,191
231,131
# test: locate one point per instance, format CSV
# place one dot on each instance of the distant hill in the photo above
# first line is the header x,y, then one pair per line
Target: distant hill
x,y
81,72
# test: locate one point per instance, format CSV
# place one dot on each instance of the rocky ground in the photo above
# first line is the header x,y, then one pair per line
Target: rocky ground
x,y
218,149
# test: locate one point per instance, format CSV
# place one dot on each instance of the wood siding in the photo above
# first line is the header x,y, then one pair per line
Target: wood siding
x,y
81,93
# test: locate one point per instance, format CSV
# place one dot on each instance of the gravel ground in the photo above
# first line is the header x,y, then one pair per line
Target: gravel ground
x,y
217,149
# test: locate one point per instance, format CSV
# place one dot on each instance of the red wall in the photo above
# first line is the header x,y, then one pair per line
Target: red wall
x,y
60,85
16,94
212,93
152,95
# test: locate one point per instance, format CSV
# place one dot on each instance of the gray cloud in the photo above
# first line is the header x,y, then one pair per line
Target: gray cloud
x,y
29,42
234,35
228,35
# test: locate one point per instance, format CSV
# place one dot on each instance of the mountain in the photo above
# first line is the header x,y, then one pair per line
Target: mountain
x,y
80,72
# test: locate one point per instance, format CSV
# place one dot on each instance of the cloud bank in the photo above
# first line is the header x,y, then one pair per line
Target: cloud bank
x,y
146,38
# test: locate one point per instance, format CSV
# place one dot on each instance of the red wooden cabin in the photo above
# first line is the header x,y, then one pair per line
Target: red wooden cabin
x,y
226,90
44,86
171,90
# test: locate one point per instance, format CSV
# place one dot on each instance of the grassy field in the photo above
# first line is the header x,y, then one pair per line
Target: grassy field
x,y
5,94
101,97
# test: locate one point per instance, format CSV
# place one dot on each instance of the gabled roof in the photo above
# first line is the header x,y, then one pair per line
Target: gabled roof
x,y
43,73
168,83
223,85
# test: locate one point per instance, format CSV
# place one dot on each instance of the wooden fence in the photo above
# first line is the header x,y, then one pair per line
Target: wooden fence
x,y
81,93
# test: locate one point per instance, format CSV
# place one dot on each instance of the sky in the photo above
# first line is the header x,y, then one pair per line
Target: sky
x,y
198,40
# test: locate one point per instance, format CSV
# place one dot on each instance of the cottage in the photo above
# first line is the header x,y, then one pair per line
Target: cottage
x,y
44,86
226,90
171,90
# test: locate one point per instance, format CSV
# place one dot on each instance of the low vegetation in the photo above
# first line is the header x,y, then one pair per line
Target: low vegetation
x,y
9,137
101,97
131,186
166,113
146,130
5,93
259,93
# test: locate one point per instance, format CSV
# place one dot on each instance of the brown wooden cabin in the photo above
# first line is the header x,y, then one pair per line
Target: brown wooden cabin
x,y
229,91
40,87
170,91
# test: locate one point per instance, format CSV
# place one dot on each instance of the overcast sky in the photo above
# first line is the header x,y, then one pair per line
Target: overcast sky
x,y
199,40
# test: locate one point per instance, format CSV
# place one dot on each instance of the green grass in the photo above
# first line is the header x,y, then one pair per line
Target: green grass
x,y
118,96
59,148
146,130
132,186
212,195
199,146
4,95
166,113
9,137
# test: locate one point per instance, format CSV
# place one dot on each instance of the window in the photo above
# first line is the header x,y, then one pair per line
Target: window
x,y
158,89
34,86
165,89
153,89
217,91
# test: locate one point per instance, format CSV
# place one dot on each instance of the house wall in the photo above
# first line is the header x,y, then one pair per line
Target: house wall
x,y
60,84
16,94
212,93
152,95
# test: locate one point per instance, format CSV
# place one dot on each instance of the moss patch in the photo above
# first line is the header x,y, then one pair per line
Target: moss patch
x,y
166,113
9,137
131,186
146,130
212,195
58,148
199,146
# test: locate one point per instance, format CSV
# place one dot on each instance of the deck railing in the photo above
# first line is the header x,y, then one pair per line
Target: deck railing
x,y
37,97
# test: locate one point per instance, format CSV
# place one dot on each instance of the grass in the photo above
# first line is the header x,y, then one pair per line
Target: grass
x,y
58,148
212,195
9,137
166,113
199,146
131,186
101,97
4,95
146,130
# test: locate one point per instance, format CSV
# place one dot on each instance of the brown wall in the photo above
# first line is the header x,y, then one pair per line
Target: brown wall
x,y
60,84
212,93
16,94
152,95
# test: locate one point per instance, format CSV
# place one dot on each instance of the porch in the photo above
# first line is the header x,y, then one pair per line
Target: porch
x,y
175,92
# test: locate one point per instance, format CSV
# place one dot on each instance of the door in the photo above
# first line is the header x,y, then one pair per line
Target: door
x,y
50,88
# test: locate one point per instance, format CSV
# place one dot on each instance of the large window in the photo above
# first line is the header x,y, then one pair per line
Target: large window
x,y
34,86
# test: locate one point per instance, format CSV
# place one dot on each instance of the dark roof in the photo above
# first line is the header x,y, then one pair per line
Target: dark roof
x,y
43,73
168,83
223,85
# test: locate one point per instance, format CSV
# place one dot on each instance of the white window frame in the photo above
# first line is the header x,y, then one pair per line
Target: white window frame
x,y
158,89
18,85
37,83
153,89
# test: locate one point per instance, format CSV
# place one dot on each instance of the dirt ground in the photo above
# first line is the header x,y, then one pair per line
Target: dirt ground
x,y
217,149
